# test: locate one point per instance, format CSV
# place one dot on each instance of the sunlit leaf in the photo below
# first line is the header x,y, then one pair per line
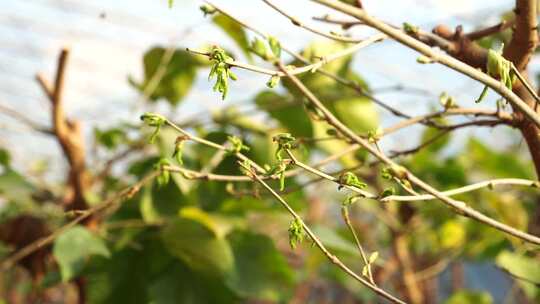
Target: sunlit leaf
x,y
73,248
261,271
469,297
177,75
525,269
198,246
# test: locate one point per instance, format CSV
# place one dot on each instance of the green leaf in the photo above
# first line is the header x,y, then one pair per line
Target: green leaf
x,y
158,203
110,138
198,246
179,284
469,297
373,257
324,87
177,79
320,129
261,271
4,157
275,46
452,234
494,163
525,269
15,187
73,248
126,276
358,113
235,31
288,113
440,143
296,233
331,239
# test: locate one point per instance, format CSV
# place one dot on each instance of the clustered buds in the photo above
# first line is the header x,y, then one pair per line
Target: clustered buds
x,y
153,120
350,179
279,170
221,69
447,101
207,9
259,48
164,176
296,233
178,147
285,141
237,145
410,29
499,67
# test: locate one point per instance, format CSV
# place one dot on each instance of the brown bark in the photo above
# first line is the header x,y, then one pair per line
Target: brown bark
x,y
525,36
69,136
519,51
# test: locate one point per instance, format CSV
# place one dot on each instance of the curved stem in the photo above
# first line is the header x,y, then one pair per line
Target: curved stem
x,y
465,189
436,56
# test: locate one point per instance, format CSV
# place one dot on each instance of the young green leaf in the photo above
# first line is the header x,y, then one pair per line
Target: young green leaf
x,y
285,141
375,135
351,199
365,270
153,120
164,177
275,46
178,147
410,29
273,82
482,95
447,101
350,179
237,145
296,233
221,70
207,9
373,257
387,192
258,47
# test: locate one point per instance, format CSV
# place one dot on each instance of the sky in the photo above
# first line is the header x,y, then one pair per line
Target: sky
x,y
108,38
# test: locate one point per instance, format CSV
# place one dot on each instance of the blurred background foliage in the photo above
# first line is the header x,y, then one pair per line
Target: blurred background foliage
x,y
198,241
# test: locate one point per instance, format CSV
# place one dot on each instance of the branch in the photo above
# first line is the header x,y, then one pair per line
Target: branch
x,y
488,31
25,120
40,243
458,206
502,116
347,220
253,168
298,23
68,134
212,144
298,163
335,260
304,69
442,58
351,84
525,36
485,184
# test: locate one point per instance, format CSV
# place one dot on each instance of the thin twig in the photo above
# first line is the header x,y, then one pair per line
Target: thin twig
x,y
439,57
347,220
335,260
40,243
304,69
485,184
458,206
25,120
299,23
